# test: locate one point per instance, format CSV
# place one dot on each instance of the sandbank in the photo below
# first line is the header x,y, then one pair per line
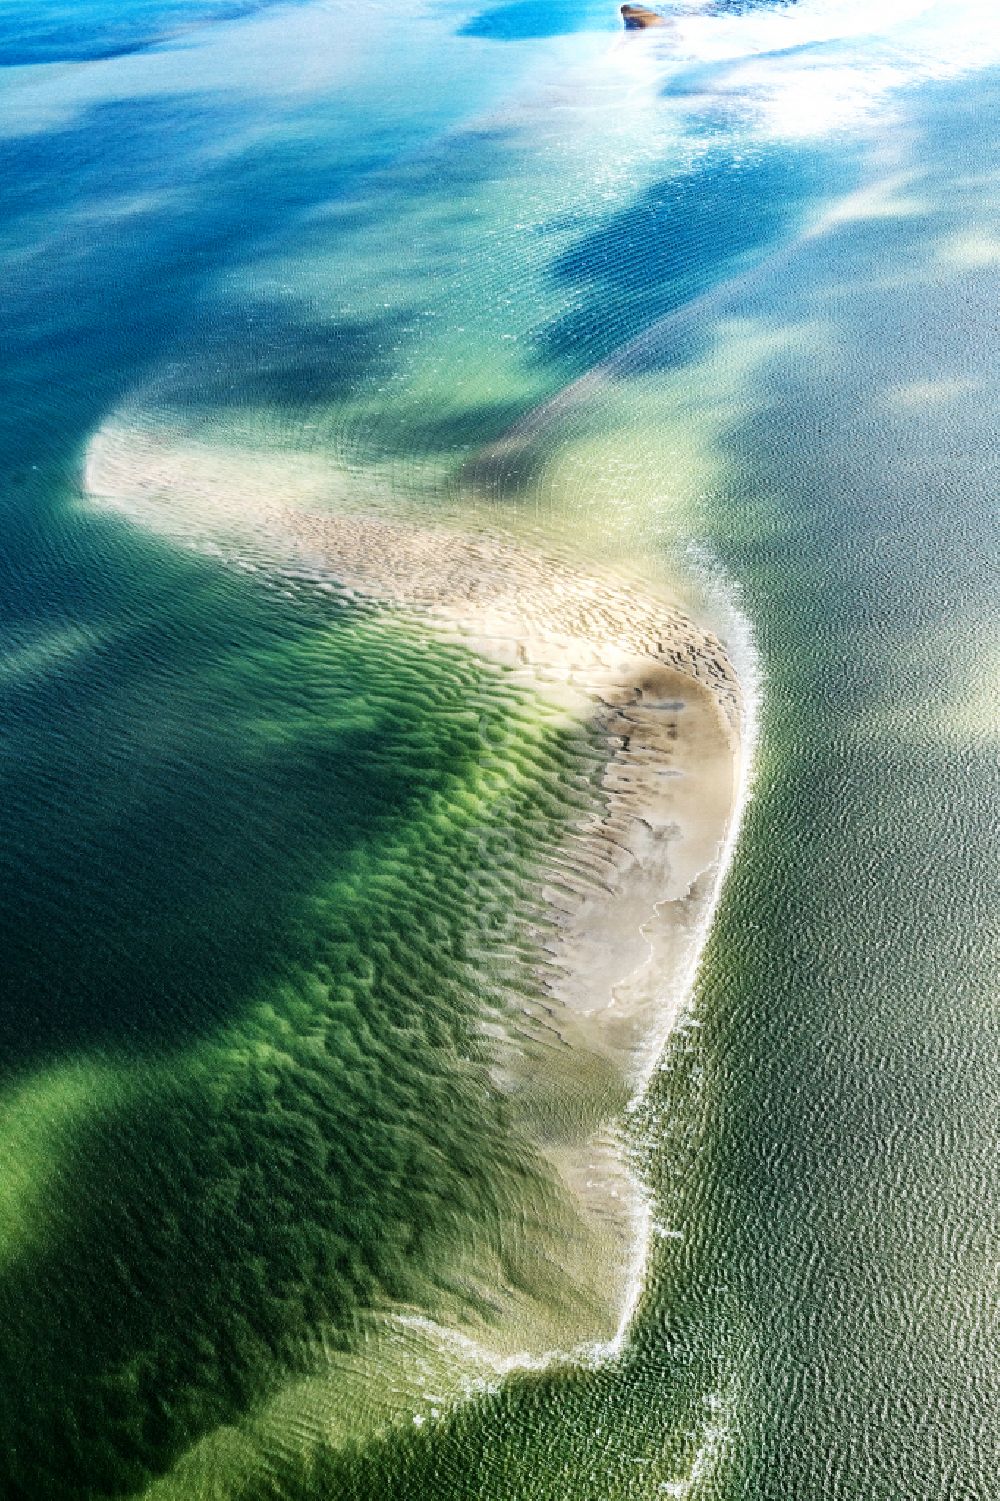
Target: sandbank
x,y
622,904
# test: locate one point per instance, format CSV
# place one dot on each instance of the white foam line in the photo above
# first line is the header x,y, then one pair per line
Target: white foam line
x,y
593,1353
740,644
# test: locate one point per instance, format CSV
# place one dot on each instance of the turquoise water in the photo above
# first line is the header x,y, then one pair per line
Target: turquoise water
x,y
267,854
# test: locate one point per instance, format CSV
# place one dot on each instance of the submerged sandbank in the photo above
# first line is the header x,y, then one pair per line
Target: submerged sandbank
x,y
619,908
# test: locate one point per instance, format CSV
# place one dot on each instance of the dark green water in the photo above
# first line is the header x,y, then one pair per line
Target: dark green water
x,y
265,855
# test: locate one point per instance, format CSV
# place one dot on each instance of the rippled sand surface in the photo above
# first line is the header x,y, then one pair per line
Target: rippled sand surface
x,y
617,909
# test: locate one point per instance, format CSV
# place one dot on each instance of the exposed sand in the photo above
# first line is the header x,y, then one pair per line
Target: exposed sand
x,y
623,903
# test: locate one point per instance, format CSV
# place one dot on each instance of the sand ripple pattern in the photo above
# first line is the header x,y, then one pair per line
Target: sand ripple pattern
x,y
598,840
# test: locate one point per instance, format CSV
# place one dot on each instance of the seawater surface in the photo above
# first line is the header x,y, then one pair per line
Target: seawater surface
x,y
718,303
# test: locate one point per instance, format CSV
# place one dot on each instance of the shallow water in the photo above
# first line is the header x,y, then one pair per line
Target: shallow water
x,y
720,303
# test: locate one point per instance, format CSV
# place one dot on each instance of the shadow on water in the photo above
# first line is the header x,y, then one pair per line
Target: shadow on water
x,y
285,362
683,236
61,31
84,327
119,249
522,19
198,783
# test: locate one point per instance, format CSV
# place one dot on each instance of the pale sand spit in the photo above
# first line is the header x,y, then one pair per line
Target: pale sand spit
x,y
624,903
